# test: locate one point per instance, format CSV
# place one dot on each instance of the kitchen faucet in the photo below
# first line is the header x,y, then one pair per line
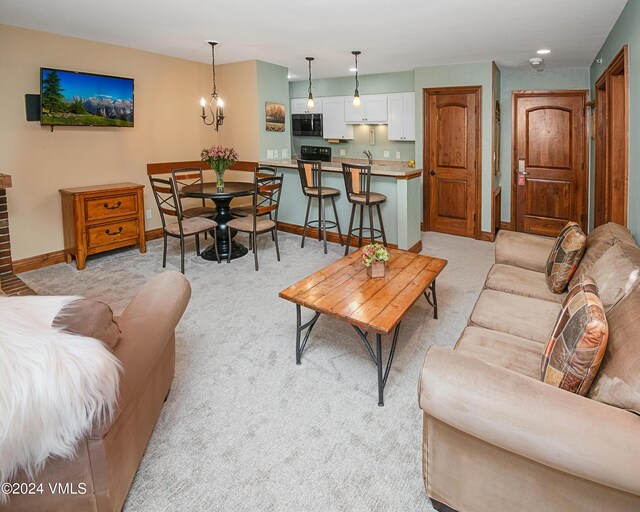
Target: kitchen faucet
x,y
369,156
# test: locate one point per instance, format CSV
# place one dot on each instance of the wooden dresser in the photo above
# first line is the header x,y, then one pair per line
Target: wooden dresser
x,y
101,218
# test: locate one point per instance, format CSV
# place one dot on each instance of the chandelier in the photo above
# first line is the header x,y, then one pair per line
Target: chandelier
x,y
215,103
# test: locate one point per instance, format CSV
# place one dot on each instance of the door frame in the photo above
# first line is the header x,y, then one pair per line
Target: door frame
x,y
514,156
426,151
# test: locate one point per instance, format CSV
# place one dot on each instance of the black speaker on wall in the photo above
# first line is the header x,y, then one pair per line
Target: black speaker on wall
x,y
32,104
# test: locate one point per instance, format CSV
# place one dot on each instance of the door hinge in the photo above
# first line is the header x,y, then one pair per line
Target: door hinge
x,y
474,217
583,166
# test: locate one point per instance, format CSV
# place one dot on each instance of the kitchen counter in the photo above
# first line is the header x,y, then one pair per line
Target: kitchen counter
x,y
401,212
392,171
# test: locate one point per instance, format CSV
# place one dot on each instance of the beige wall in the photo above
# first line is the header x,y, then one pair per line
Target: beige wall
x,y
167,126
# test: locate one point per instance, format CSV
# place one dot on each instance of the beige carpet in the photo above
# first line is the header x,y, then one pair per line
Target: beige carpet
x,y
244,428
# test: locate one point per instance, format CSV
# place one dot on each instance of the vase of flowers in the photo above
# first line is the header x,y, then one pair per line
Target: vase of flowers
x,y
374,257
219,158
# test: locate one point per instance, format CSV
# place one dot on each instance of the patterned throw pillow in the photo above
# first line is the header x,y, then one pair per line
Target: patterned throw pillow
x,y
578,341
565,256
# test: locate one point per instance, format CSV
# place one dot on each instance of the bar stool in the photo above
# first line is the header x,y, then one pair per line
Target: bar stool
x,y
357,182
311,180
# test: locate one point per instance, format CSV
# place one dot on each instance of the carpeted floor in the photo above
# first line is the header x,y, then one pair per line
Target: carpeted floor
x,y
244,428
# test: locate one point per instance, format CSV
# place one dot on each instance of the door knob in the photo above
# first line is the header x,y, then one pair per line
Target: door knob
x,y
433,173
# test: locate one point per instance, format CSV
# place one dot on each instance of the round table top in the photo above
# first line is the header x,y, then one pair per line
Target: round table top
x,y
210,190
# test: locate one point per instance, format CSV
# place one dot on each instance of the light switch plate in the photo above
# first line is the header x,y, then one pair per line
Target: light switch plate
x,y
285,153
386,154
276,153
398,155
269,153
147,214
343,152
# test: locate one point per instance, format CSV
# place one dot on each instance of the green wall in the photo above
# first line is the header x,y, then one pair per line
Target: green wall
x,y
626,31
273,86
344,86
527,79
457,75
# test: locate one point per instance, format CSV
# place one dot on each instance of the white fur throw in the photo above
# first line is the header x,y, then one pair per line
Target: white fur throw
x,y
53,386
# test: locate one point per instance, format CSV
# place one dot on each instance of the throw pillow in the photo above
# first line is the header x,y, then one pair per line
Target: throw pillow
x,y
578,340
90,318
616,272
565,256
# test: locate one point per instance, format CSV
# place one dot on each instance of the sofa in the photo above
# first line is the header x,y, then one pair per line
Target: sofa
x,y
99,477
497,438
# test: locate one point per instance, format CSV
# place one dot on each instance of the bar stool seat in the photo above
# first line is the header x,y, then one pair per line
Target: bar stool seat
x,y
374,198
324,191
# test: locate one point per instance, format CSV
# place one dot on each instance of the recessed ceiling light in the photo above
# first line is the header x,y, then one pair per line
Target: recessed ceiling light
x,y
290,76
543,52
353,70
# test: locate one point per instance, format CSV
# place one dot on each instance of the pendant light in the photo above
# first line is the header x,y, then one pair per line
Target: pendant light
x,y
310,102
215,103
356,95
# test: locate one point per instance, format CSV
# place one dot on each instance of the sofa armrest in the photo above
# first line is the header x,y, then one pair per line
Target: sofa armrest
x,y
146,325
523,250
527,417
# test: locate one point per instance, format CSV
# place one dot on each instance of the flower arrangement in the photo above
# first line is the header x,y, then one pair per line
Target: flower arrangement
x,y
374,256
219,158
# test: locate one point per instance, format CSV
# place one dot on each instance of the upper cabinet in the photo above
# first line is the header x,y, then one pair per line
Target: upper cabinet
x,y
299,106
402,116
333,124
373,110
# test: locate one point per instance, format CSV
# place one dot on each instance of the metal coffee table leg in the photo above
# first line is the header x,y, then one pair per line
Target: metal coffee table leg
x,y
430,295
299,328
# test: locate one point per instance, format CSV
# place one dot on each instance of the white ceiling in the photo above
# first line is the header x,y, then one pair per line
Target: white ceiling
x,y
393,36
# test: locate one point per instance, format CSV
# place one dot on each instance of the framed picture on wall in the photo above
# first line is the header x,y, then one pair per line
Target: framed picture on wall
x,y
275,115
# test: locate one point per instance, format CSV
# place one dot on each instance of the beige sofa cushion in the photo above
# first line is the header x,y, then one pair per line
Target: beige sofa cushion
x,y
90,318
523,250
520,316
505,350
598,242
616,272
618,380
565,257
576,346
520,281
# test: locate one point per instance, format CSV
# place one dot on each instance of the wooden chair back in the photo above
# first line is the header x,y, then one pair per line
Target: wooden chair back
x,y
266,198
357,180
164,192
187,176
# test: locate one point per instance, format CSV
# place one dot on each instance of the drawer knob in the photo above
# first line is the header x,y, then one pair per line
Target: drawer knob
x,y
113,234
114,207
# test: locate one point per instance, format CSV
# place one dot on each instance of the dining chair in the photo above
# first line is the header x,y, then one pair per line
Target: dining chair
x,y
266,199
311,180
166,197
191,176
260,171
357,183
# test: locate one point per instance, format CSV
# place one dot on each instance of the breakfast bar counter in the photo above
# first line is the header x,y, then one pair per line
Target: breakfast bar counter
x,y
401,212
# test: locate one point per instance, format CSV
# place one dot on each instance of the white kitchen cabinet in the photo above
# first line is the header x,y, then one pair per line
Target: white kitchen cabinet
x,y
333,123
299,106
402,116
373,110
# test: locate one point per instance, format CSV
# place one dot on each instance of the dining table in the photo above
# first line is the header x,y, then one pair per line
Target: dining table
x,y
222,200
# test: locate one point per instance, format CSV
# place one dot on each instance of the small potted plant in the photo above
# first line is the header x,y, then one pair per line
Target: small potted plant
x,y
219,158
374,257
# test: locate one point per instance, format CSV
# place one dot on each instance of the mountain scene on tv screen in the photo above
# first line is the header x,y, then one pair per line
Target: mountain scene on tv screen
x,y
76,99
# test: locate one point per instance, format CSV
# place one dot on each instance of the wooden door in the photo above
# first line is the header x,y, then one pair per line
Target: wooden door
x,y
452,156
549,158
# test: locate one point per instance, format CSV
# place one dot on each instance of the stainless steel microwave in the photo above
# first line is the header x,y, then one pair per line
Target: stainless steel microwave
x,y
307,124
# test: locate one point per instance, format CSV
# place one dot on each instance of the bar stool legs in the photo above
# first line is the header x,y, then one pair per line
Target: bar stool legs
x,y
306,222
322,222
372,231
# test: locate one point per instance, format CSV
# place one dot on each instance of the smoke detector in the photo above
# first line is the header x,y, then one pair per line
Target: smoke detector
x,y
537,63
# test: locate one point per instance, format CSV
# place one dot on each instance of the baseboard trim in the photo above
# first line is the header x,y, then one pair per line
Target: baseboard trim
x,y
53,258
506,225
39,261
332,236
487,236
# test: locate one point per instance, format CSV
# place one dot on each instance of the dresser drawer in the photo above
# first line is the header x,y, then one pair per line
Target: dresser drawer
x,y
102,208
112,233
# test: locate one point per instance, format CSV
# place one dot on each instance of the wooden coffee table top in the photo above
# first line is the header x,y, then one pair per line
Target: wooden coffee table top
x,y
344,290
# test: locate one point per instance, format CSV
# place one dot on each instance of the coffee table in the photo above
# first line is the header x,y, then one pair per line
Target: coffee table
x,y
343,290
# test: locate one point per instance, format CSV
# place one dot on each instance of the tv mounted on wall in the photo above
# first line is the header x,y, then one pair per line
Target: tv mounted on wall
x,y
71,98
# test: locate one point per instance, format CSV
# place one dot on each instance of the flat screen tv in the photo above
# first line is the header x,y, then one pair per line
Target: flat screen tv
x,y
71,98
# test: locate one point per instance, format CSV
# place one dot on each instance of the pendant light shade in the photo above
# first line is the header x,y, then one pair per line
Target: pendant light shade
x,y
215,103
310,102
356,94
